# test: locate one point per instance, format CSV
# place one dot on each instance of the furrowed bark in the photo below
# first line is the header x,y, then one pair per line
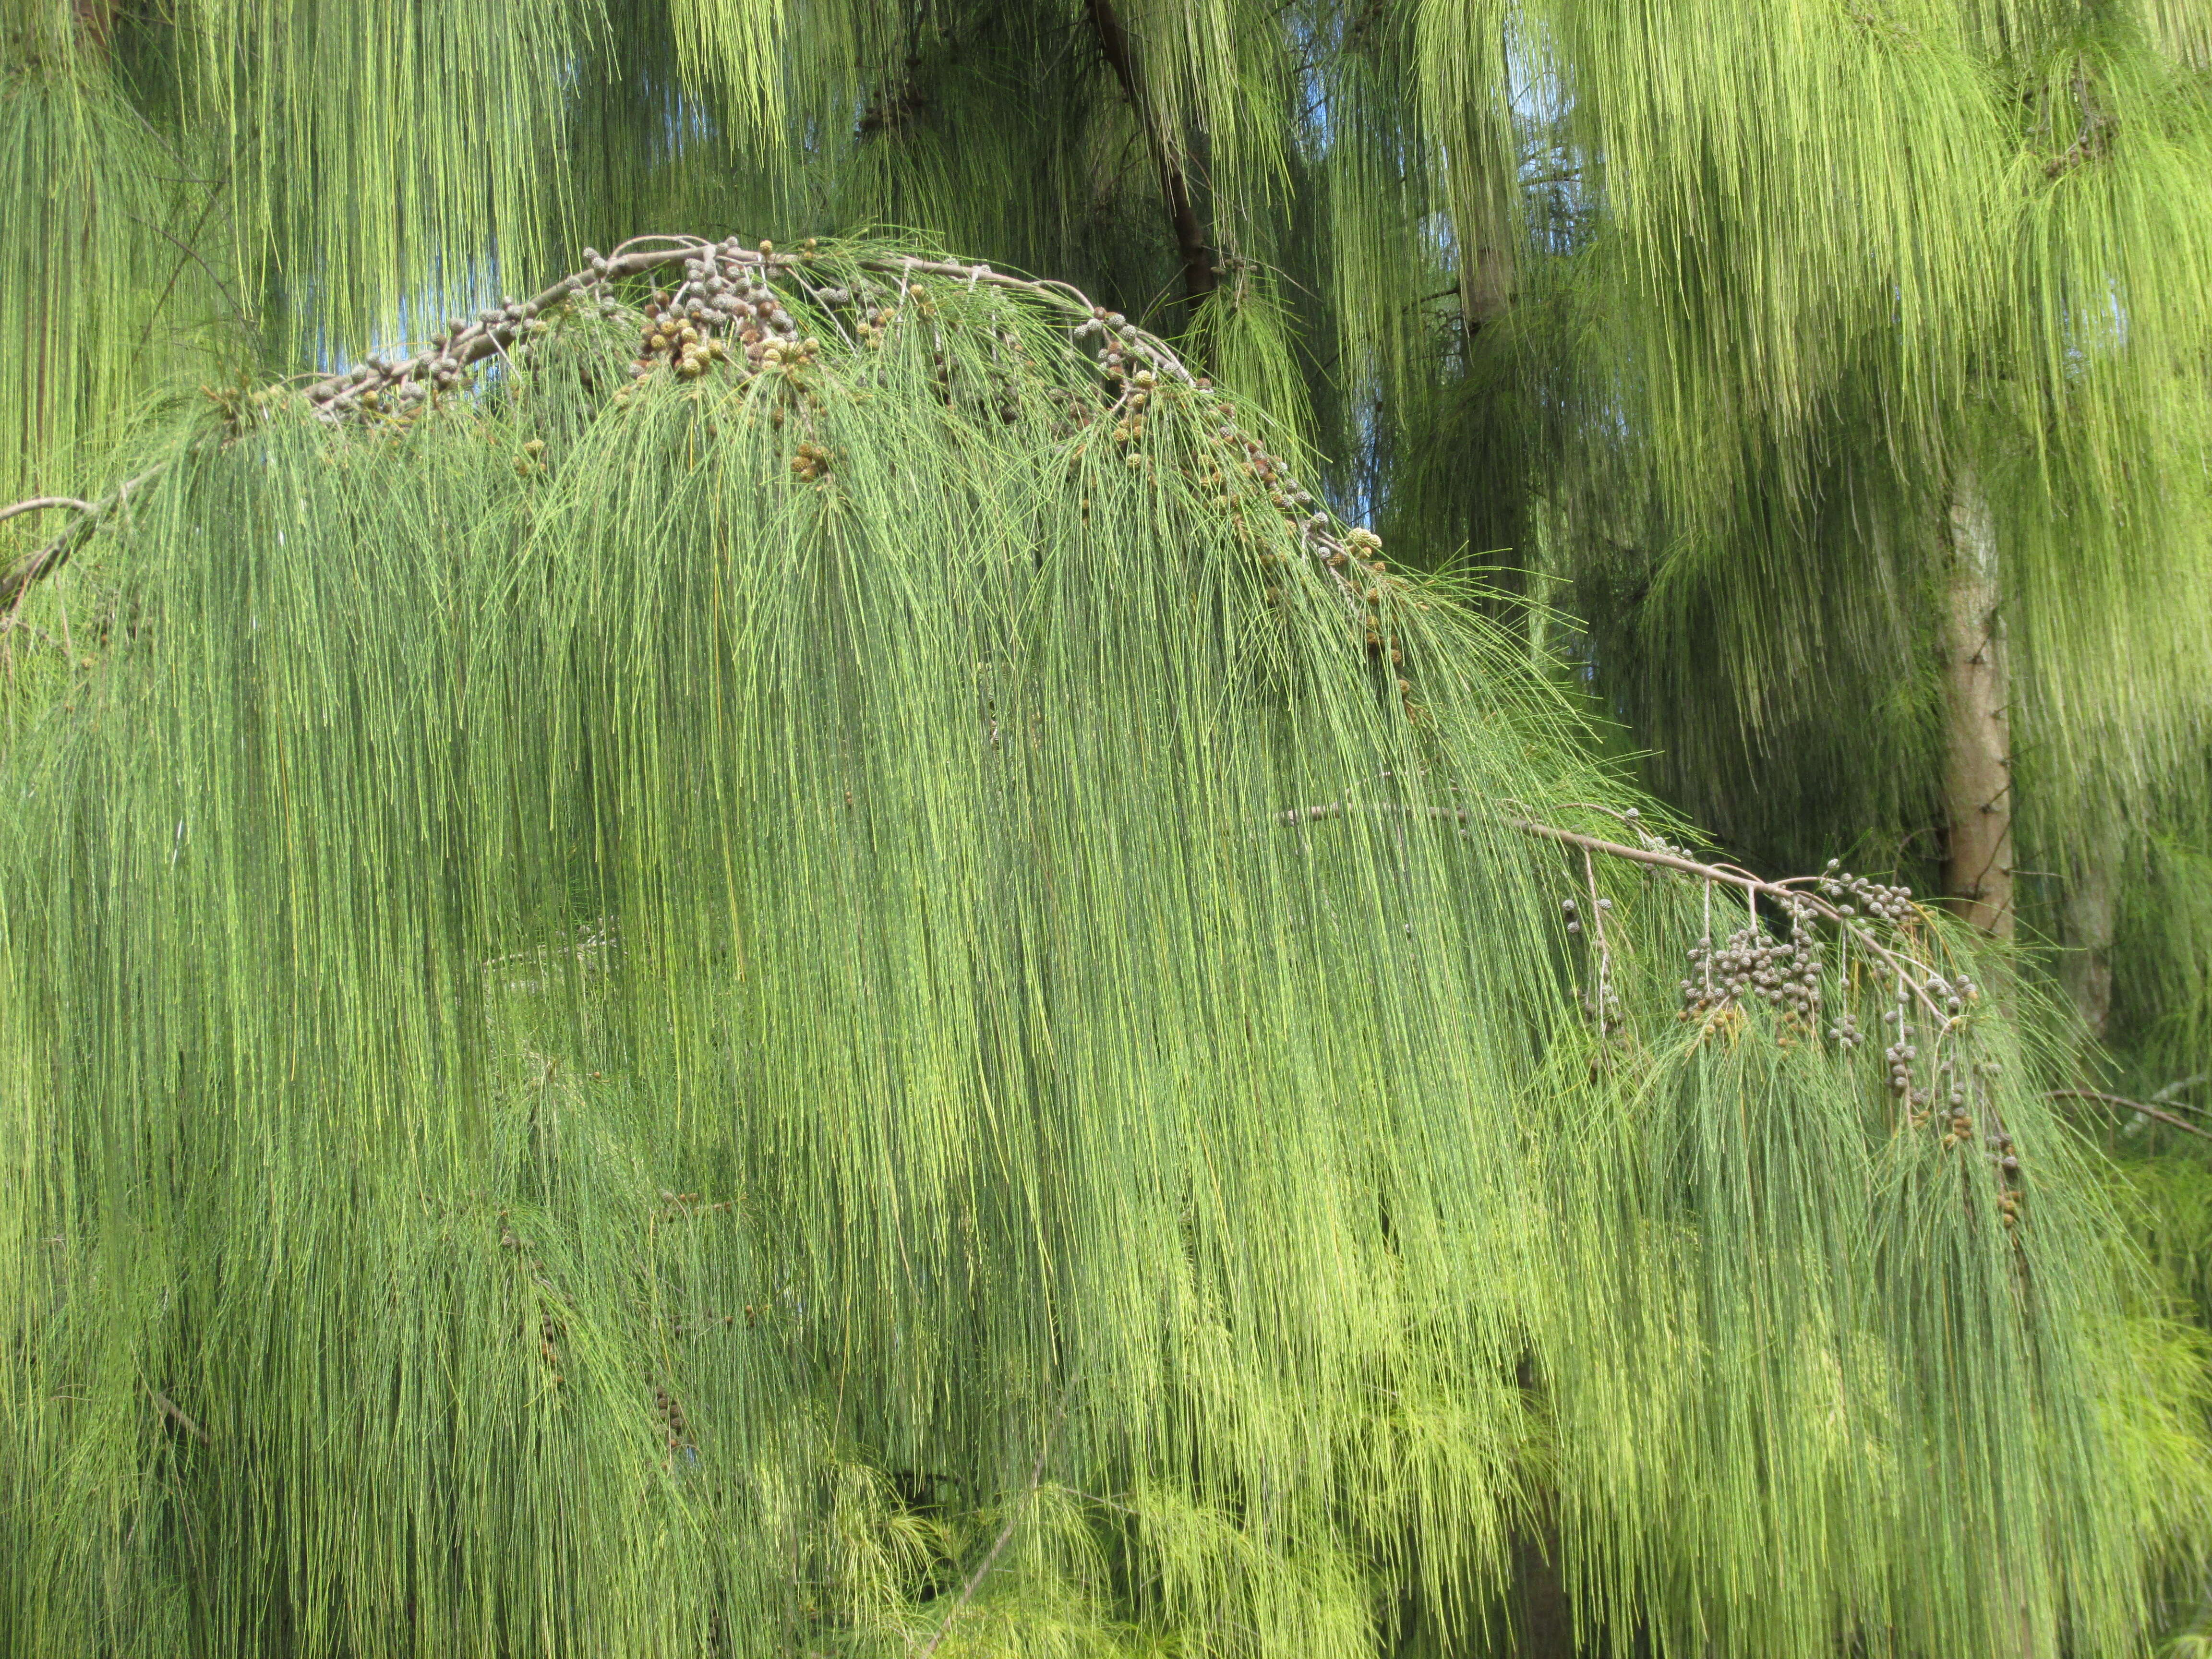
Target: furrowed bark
x,y
1978,866
1198,278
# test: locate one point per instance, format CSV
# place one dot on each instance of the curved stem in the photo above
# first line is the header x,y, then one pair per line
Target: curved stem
x,y
331,395
1752,885
43,504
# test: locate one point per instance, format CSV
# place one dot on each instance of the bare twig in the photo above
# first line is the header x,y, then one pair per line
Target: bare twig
x,y
170,1409
2125,1104
998,1548
1337,809
193,255
45,504
1732,877
213,187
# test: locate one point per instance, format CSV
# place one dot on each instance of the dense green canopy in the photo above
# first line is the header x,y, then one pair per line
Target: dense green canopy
x,y
1176,1155
1698,319
872,992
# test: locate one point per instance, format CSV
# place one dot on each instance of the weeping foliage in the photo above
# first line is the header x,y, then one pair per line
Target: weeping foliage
x,y
842,1009
384,155
1695,322
103,310
1727,295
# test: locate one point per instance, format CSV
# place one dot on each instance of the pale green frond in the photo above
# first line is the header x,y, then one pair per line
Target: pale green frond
x,y
673,1016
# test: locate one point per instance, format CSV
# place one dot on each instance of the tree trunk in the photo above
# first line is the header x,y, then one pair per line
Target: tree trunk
x,y
1543,1614
1544,1617
1485,287
1191,246
2090,913
1978,872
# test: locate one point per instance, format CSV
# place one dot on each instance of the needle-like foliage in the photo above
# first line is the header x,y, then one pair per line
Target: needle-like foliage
x,y
1698,319
869,993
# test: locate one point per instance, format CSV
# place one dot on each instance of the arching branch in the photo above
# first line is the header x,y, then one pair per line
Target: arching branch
x,y
43,504
398,384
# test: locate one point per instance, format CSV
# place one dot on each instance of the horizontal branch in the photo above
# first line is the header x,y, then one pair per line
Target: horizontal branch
x,y
1337,809
1728,875
1785,893
1913,977
16,579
